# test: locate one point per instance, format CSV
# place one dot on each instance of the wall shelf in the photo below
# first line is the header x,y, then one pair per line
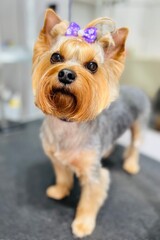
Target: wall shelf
x,y
14,55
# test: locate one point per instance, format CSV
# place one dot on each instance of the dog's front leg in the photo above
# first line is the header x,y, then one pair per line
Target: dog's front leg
x,y
63,175
95,183
64,181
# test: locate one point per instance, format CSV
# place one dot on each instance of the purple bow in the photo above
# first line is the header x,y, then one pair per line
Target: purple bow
x,y
89,34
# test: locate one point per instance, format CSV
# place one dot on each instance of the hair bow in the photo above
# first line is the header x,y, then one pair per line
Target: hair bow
x,y
88,34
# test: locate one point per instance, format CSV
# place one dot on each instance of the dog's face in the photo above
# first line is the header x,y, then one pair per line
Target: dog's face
x,y
72,78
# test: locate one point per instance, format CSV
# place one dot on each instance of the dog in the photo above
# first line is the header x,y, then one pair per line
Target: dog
x,y
76,76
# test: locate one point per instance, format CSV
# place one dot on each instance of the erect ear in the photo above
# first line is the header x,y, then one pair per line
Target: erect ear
x,y
45,38
50,20
116,51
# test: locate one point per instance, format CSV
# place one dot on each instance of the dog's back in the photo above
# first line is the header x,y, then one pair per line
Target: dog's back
x,y
132,105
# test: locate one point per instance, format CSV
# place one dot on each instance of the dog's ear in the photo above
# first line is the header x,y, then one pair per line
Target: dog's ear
x,y
116,50
50,20
45,38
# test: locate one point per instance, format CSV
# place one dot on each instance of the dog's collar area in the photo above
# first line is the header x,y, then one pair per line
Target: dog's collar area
x,y
65,120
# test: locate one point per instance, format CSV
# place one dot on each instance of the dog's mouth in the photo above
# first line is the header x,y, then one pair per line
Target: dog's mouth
x,y
57,93
62,91
63,101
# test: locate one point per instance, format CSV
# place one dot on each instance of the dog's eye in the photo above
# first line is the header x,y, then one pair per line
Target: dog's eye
x,y
92,66
56,57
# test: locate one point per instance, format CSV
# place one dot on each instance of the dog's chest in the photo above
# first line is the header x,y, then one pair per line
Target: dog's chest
x,y
61,137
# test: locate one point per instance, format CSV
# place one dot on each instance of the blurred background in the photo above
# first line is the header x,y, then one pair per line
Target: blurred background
x,y
20,22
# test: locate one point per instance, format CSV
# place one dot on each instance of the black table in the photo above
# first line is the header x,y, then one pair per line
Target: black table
x,y
132,211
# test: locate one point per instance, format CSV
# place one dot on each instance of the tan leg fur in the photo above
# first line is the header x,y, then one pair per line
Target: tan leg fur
x,y
64,182
94,183
131,155
64,178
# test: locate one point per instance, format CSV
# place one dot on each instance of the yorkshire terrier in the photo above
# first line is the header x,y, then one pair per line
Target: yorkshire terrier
x,y
75,83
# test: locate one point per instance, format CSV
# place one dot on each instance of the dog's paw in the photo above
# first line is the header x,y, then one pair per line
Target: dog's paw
x,y
131,167
82,227
57,192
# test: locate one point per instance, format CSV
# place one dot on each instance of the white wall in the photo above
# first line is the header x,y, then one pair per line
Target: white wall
x,y
82,13
141,16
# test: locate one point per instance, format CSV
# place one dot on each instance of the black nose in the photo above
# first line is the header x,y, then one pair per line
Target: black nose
x,y
66,76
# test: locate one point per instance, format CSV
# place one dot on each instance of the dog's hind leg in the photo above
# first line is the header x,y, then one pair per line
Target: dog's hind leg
x,y
131,154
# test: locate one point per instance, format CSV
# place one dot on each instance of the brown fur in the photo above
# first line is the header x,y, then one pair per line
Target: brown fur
x,y
80,101
76,108
131,155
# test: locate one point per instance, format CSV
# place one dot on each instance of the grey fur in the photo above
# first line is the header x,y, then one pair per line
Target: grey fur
x,y
101,133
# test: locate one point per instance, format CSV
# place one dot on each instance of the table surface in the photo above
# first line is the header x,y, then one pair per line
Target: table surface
x,y
132,211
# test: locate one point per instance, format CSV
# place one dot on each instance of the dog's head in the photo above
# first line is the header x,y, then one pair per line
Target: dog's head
x,y
76,72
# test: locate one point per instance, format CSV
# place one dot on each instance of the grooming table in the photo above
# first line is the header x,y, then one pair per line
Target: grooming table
x,y
132,211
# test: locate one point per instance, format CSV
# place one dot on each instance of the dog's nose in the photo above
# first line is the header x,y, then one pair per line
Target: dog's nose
x,y
66,76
